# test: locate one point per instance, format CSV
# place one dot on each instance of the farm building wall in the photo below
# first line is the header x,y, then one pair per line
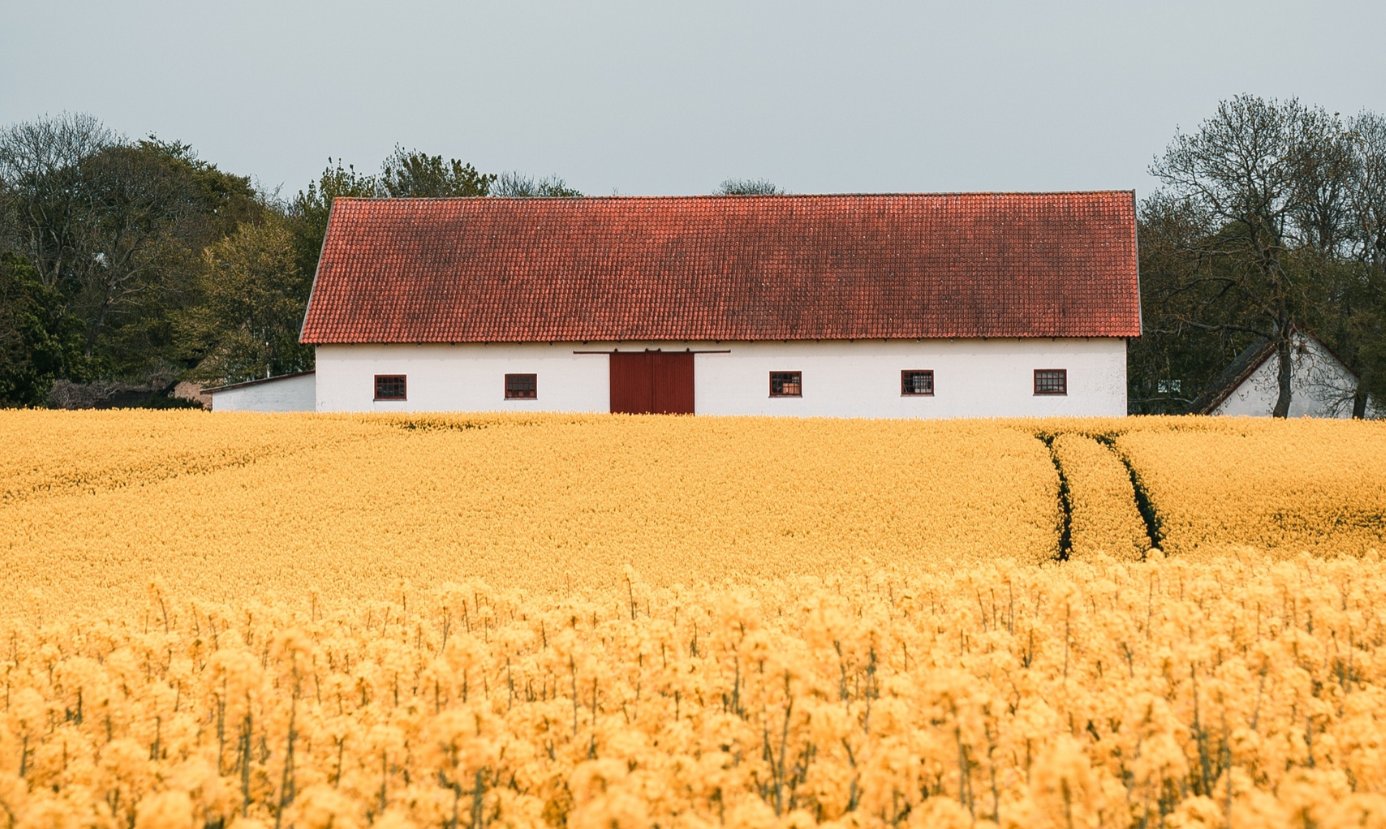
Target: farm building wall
x,y
1320,386
293,393
971,378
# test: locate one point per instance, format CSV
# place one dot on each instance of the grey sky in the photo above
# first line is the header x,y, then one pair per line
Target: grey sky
x,y
659,98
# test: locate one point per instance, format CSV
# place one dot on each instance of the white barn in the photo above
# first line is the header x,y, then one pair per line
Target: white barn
x,y
1320,385
918,305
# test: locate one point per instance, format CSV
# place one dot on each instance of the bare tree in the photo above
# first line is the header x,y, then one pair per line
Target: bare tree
x,y
520,186
1362,303
747,187
43,175
1265,183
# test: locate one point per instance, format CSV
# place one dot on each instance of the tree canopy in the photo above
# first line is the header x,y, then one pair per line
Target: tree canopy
x,y
520,186
135,261
747,187
1268,223
253,292
416,174
108,232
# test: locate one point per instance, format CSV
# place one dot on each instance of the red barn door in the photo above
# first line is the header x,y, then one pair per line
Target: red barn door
x,y
652,382
673,382
632,382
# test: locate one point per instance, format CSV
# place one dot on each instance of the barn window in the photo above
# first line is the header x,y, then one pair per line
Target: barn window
x,y
521,386
1051,381
917,382
786,384
389,387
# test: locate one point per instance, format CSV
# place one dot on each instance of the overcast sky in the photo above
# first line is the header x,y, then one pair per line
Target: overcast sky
x,y
662,98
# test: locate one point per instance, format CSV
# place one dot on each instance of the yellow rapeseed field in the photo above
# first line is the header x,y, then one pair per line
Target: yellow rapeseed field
x,y
1310,485
353,505
1104,515
430,621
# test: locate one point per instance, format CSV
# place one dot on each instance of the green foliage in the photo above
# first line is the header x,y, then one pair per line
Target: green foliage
x,y
310,209
113,231
415,174
1361,292
38,342
253,298
156,208
126,263
1193,326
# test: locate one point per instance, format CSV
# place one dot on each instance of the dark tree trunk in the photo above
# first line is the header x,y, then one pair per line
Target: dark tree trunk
x,y
1359,401
1284,351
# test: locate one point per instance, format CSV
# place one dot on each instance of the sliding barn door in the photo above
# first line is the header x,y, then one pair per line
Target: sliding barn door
x,y
652,382
673,382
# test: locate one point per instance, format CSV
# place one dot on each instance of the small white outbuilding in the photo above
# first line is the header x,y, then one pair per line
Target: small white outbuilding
x,y
1320,384
285,393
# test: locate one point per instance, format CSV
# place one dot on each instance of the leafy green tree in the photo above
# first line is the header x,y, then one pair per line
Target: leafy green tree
x,y
310,209
155,207
415,174
38,342
46,199
1179,353
114,230
253,299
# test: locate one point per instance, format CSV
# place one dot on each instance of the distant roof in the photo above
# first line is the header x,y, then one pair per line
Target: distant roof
x,y
1247,363
911,266
275,379
1231,378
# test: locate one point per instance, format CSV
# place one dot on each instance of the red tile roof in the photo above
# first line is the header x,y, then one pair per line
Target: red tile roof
x,y
727,268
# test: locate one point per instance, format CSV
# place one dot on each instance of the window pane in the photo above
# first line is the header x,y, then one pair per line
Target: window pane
x,y
1051,381
918,381
389,387
521,386
786,384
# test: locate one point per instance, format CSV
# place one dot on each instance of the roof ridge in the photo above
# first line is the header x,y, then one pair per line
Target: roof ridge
x,y
716,196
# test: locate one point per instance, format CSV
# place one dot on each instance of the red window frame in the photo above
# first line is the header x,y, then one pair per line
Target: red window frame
x,y
521,387
786,384
1051,382
391,387
907,386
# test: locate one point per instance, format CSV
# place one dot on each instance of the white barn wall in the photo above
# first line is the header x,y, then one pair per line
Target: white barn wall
x,y
972,378
1320,386
296,393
